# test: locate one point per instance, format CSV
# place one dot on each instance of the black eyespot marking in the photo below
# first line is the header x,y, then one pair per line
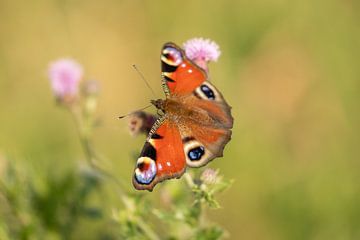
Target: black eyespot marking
x,y
156,136
196,153
207,91
168,79
167,68
187,139
141,166
148,151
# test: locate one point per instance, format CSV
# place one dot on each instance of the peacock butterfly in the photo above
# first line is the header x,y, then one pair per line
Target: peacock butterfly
x,y
194,127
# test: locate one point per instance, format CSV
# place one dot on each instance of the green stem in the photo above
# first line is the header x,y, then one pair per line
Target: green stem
x,y
91,158
147,229
11,206
189,180
85,144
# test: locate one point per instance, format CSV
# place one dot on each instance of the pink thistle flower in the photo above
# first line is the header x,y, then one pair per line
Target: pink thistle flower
x,y
202,51
65,75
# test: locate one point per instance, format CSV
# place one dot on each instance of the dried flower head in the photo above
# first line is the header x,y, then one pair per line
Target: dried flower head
x,y
141,122
209,176
64,75
90,87
202,51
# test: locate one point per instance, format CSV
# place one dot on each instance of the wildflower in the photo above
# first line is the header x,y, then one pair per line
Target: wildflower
x,y
64,75
209,176
202,51
90,88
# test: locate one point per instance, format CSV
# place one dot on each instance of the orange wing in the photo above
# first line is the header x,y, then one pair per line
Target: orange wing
x,y
162,156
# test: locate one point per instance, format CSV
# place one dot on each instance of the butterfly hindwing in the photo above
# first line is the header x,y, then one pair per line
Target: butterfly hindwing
x,y
162,156
202,143
207,98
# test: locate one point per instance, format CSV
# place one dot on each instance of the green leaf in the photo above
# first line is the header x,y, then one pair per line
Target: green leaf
x,y
211,233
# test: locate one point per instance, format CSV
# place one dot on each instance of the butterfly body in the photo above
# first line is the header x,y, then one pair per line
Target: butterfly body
x,y
181,112
194,127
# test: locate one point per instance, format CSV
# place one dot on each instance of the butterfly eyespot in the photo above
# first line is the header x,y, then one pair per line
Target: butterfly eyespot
x,y
171,56
207,91
145,171
196,153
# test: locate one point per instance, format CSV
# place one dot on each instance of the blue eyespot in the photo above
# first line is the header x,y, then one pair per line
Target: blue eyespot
x,y
196,153
208,92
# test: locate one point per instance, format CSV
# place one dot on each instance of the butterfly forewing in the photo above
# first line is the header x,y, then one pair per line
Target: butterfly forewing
x,y
180,75
162,156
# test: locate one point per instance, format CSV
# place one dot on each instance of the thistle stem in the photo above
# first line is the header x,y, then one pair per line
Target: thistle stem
x,y
87,147
84,132
189,180
147,230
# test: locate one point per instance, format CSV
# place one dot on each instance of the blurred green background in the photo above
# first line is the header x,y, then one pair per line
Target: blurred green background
x,y
289,69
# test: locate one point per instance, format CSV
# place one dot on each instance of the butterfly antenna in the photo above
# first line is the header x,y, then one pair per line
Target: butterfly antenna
x,y
126,115
143,78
